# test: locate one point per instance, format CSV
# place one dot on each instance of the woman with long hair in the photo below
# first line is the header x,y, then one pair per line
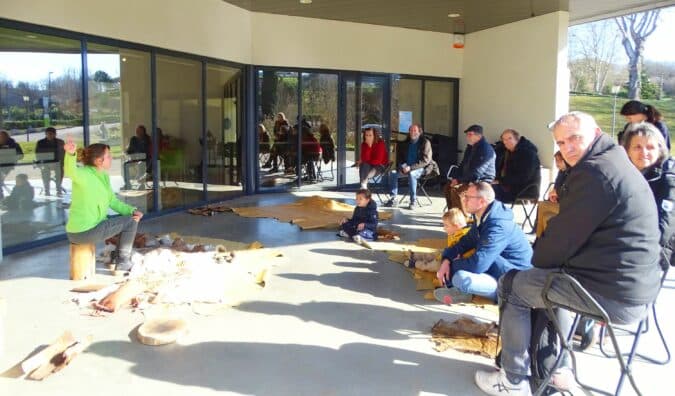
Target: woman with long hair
x,y
636,111
92,196
373,160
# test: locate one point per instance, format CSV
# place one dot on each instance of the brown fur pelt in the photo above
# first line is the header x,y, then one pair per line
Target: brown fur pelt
x,y
466,335
139,241
210,210
384,234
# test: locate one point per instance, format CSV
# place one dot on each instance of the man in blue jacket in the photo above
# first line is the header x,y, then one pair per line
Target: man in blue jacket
x,y
478,164
500,246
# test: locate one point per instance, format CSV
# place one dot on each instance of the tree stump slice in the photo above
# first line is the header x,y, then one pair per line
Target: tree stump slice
x,y
161,331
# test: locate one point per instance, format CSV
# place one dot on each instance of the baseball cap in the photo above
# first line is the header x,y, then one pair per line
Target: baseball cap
x,y
475,128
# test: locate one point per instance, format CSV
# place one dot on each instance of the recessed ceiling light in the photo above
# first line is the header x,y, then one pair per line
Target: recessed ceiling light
x,y
454,15
305,1
124,59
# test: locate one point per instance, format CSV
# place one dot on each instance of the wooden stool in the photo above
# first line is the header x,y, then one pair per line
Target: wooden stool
x,y
82,261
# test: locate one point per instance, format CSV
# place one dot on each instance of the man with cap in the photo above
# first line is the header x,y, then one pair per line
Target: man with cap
x,y
478,164
49,154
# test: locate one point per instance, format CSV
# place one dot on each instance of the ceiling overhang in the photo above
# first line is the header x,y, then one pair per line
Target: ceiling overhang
x,y
433,15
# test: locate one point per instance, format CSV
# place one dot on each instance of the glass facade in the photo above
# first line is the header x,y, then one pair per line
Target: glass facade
x,y
120,115
40,86
223,131
176,126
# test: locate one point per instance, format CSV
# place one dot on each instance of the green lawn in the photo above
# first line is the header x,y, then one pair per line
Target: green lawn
x,y
600,107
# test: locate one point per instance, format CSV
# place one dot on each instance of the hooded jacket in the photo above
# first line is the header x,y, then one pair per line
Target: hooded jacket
x,y
495,236
606,233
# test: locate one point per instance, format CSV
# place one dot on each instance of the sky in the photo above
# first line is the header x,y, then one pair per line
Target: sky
x,y
33,67
659,46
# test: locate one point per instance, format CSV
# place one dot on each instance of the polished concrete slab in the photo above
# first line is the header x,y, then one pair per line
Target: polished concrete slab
x,y
337,319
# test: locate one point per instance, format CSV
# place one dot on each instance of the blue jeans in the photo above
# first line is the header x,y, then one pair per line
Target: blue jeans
x,y
412,183
350,228
526,294
478,284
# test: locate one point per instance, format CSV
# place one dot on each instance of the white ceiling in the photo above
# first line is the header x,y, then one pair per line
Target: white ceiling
x,y
432,15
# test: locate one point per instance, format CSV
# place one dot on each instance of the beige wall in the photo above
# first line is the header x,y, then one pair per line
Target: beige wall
x,y
515,76
205,27
280,40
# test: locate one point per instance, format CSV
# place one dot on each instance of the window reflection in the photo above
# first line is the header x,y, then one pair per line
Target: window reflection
x,y
179,130
223,132
40,87
438,107
120,116
277,114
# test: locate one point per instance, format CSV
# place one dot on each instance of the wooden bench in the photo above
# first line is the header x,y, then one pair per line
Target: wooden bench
x,y
82,261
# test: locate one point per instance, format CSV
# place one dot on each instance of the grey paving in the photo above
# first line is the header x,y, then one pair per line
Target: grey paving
x,y
336,320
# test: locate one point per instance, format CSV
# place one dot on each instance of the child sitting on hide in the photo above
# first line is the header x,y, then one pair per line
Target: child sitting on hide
x,y
362,227
454,224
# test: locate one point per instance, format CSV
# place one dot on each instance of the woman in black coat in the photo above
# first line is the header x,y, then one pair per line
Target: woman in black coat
x,y
647,150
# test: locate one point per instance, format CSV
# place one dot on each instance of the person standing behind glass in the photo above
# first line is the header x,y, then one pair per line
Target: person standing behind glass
x,y
141,144
49,154
93,197
10,154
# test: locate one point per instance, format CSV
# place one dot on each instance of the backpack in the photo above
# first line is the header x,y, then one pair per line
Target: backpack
x,y
545,346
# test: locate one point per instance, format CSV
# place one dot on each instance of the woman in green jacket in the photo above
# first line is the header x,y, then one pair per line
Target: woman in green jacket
x,y
92,197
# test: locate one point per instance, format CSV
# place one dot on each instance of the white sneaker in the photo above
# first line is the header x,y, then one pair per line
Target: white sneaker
x,y
495,383
451,296
359,239
343,234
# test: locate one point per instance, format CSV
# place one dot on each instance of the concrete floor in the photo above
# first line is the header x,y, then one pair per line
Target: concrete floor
x,y
337,319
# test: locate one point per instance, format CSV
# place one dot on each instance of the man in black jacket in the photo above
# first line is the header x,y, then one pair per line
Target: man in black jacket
x,y
517,168
606,236
478,164
49,154
414,160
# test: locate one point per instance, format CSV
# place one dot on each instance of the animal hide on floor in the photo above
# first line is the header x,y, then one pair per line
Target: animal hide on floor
x,y
221,272
308,213
466,335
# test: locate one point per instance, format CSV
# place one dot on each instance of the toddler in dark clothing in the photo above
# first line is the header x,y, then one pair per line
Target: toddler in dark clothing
x,y
362,227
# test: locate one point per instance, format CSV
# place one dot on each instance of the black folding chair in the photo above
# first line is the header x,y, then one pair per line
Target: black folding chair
x,y
421,186
597,313
528,196
664,342
379,184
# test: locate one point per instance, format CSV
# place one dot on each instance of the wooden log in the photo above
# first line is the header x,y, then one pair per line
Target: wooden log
x,y
113,301
82,261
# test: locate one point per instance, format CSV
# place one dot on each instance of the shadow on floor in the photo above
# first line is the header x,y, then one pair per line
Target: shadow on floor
x,y
370,320
293,369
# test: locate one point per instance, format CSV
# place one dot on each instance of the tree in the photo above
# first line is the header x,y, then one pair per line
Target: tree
x,y
102,77
635,29
593,46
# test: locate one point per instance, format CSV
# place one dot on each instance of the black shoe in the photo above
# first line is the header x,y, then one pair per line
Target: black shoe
x,y
391,203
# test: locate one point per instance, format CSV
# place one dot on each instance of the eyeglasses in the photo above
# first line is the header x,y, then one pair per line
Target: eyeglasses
x,y
464,196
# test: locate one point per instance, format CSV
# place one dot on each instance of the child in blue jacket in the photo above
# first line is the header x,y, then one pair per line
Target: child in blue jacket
x,y
362,227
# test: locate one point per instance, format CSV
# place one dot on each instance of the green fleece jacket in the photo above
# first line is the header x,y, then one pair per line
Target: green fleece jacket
x,y
92,196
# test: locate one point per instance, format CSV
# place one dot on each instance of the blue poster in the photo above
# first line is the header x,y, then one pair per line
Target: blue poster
x,y
404,121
